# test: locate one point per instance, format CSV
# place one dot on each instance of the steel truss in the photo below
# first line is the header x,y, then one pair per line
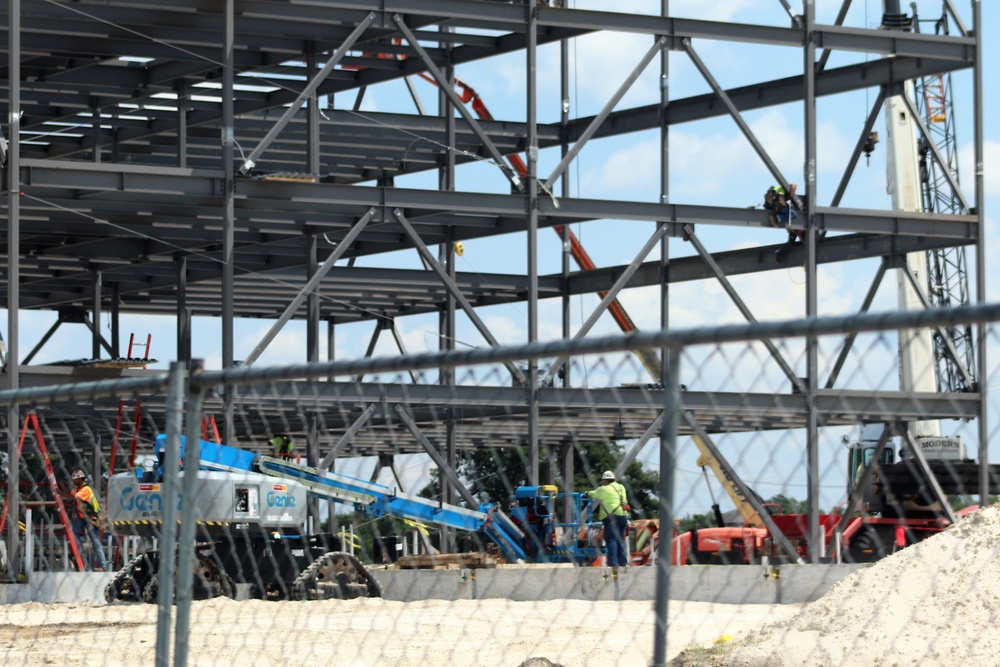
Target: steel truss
x,y
115,158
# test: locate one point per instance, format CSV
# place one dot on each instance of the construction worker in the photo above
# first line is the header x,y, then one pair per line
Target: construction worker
x,y
283,446
612,510
88,512
779,203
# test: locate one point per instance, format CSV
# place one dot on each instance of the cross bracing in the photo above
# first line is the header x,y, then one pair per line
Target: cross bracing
x,y
134,119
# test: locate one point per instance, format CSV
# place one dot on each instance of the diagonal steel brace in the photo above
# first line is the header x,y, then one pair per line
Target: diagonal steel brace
x,y
308,91
605,112
432,451
310,286
448,90
942,163
949,345
735,113
731,291
661,231
849,340
348,436
452,288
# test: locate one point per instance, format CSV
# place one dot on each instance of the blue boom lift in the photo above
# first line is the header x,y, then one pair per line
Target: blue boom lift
x,y
251,510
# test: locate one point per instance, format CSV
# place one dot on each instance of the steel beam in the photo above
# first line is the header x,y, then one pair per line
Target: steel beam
x,y
402,349
734,296
310,287
442,275
742,124
348,436
41,343
946,340
812,289
849,339
431,451
981,292
932,144
638,446
228,211
859,146
605,112
442,82
620,283
307,92
13,367
929,476
839,21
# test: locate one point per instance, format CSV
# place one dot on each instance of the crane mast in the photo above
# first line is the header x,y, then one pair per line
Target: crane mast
x,y
917,182
946,267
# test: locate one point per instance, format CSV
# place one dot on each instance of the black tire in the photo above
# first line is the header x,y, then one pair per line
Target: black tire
x,y
872,543
151,592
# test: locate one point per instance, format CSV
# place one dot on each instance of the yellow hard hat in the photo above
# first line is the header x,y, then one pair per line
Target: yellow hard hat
x,y
459,248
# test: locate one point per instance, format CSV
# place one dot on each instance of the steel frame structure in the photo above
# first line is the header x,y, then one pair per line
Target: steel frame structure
x,y
151,156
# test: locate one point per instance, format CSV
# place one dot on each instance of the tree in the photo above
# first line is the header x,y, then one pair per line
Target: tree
x,y
789,505
492,474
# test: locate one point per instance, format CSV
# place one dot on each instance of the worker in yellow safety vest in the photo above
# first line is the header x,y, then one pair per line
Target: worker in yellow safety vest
x,y
88,512
612,510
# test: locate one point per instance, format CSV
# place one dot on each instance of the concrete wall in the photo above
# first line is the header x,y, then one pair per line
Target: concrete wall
x,y
707,583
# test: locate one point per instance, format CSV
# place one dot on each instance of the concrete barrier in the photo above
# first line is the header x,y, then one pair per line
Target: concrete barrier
x,y
736,584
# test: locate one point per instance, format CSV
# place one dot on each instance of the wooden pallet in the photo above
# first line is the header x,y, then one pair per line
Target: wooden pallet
x,y
474,560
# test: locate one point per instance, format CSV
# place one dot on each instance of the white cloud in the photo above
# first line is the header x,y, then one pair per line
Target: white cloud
x,y
991,169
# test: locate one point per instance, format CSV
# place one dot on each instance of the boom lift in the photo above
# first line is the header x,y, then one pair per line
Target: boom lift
x,y
251,508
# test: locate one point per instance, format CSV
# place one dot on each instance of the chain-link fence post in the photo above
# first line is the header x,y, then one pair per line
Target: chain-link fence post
x,y
171,452
668,456
186,542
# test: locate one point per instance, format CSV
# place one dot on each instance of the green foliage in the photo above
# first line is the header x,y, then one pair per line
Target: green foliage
x,y
788,505
697,522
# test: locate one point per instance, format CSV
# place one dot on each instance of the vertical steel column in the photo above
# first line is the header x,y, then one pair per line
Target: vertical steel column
x,y
446,321
182,124
532,184
977,87
569,449
565,191
228,240
664,185
183,319
313,147
95,127
115,322
96,295
312,301
13,272
812,296
186,540
168,537
312,349
668,458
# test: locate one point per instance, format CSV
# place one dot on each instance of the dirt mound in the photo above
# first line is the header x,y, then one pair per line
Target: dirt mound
x,y
930,604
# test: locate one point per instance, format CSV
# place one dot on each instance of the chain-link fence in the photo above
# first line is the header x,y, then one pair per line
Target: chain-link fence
x,y
793,493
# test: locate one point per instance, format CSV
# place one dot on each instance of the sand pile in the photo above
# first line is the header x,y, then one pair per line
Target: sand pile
x,y
935,603
371,632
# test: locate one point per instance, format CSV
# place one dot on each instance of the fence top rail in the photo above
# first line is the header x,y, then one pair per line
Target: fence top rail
x,y
668,338
56,393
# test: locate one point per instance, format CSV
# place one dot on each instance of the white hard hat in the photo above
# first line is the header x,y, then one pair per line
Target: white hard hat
x,y
608,475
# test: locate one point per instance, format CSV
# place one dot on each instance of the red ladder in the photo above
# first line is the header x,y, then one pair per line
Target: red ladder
x,y
32,418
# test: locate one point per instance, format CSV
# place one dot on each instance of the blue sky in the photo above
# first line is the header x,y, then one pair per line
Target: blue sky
x,y
711,163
